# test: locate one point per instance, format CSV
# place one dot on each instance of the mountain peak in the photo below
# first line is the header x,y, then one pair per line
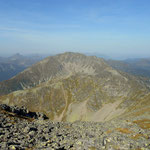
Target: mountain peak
x,y
16,56
73,86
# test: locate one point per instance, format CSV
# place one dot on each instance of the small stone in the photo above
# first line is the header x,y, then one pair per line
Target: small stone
x,y
12,147
108,140
26,129
79,143
104,141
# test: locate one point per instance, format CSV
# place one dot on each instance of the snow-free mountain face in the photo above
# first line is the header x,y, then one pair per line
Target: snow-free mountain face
x,y
72,86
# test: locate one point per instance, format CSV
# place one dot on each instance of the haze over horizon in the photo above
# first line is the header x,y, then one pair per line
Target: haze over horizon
x,y
119,29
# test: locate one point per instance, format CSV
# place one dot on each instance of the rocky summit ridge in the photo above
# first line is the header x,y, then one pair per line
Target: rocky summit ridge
x,y
58,66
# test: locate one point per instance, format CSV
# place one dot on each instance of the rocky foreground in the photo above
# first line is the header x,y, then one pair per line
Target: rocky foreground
x,y
21,129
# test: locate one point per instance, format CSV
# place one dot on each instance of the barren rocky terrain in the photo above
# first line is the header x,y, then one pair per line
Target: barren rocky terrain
x,y
23,130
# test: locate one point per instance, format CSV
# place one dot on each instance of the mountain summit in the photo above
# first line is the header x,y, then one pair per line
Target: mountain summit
x,y
72,86
58,66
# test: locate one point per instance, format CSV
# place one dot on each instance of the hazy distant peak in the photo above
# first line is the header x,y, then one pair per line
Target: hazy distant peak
x,y
16,56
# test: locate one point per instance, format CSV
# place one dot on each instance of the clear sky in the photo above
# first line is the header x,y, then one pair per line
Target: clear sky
x,y
110,27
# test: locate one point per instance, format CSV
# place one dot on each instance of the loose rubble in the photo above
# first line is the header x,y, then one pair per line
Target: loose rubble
x,y
19,130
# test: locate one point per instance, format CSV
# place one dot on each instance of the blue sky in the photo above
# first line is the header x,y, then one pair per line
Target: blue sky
x,y
110,27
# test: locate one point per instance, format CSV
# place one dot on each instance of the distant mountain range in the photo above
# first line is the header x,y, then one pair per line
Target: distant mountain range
x,y
73,86
138,67
11,66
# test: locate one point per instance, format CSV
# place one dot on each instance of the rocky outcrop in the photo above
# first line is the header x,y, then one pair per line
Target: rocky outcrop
x,y
22,112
